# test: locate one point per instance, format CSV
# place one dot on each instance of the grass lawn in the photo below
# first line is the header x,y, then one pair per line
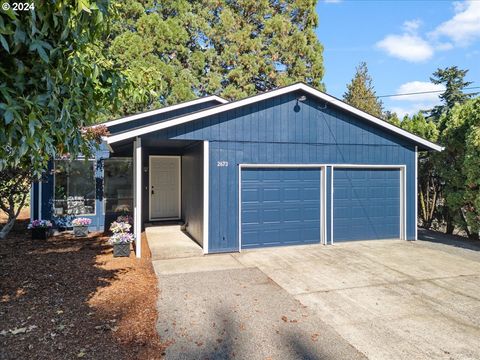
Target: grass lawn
x,y
67,298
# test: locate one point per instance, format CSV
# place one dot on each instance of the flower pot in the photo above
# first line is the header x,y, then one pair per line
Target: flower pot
x,y
40,233
80,231
120,250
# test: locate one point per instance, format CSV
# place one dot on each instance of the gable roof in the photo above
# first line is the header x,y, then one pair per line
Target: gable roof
x,y
268,95
163,110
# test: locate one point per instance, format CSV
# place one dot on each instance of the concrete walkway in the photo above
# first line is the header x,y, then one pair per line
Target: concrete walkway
x,y
170,242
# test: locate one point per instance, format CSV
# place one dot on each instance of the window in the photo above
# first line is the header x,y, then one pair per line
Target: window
x,y
118,185
74,187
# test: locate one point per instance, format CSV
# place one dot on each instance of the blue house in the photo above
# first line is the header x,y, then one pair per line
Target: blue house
x,y
285,167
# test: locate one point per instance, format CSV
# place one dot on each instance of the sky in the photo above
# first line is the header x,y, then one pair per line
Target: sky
x,y
402,42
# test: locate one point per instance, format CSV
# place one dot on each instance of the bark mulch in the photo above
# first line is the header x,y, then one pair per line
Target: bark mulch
x,y
68,298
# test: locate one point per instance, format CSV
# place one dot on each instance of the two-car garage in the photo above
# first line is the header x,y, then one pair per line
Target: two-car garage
x,y
288,205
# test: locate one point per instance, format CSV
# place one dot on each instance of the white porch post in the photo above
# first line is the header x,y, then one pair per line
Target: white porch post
x,y
206,194
137,195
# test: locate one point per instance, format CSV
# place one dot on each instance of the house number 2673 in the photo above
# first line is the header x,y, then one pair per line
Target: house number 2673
x,y
222,163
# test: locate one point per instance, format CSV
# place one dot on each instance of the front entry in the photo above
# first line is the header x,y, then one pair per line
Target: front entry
x,y
164,187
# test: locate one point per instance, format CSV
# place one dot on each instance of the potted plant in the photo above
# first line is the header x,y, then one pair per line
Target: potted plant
x,y
121,243
121,237
40,229
80,226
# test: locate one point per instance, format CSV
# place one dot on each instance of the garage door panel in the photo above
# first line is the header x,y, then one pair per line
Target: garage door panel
x,y
287,207
366,204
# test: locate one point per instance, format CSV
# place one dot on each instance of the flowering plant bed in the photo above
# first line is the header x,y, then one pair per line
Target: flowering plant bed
x,y
40,229
40,224
120,227
121,238
80,226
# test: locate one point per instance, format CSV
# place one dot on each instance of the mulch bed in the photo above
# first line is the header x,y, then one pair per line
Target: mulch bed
x,y
68,298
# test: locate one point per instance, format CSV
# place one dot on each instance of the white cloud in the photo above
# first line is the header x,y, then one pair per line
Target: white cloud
x,y
409,47
461,30
412,104
412,26
418,87
332,1
464,27
410,109
444,46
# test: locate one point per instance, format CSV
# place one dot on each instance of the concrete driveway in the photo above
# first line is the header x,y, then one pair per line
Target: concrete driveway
x,y
385,299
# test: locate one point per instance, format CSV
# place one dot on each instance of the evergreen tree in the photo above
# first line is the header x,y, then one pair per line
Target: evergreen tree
x,y
429,183
391,117
361,92
178,50
460,166
453,79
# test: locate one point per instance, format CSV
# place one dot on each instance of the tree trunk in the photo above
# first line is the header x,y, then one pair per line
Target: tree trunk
x,y
7,227
471,234
450,224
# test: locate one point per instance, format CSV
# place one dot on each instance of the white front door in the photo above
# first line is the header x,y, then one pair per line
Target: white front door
x,y
164,187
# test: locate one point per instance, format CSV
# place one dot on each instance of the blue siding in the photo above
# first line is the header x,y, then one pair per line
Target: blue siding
x,y
274,131
115,129
192,191
278,131
280,206
366,204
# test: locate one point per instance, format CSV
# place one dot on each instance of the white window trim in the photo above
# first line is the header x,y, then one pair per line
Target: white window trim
x,y
54,183
322,168
40,197
32,203
162,110
179,158
267,95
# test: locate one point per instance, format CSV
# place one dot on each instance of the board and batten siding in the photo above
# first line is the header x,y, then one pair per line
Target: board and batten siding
x,y
192,191
284,131
114,129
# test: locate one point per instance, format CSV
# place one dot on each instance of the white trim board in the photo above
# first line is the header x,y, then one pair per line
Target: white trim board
x,y
416,192
179,158
206,194
138,197
268,95
162,110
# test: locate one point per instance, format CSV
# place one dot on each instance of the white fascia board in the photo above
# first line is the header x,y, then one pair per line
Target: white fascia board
x,y
162,110
269,95
366,116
